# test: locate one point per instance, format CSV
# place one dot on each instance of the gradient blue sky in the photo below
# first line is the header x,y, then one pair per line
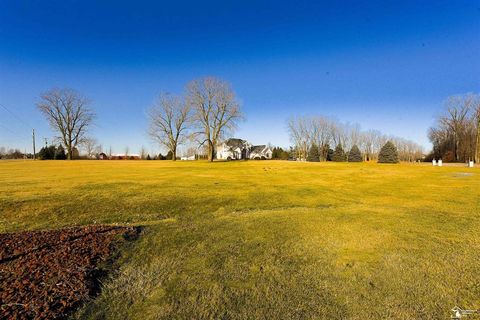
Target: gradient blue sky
x,y
387,65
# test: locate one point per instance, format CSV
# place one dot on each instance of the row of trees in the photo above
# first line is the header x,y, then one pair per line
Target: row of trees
x,y
207,111
387,154
456,133
13,154
204,113
323,134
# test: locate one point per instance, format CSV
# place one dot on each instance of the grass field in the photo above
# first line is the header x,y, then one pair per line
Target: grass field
x,y
266,239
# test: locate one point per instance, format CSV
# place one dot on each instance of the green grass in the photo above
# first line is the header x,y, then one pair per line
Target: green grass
x,y
266,239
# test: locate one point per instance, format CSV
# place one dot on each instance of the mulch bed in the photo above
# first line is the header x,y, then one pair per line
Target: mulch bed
x,y
48,274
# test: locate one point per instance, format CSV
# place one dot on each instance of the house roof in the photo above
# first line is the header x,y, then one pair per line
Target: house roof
x,y
258,149
235,143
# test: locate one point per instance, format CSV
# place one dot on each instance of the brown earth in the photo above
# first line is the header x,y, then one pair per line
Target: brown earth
x,y
48,274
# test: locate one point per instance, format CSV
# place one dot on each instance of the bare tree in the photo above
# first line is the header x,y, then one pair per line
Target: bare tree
x,y
216,110
477,143
321,135
68,113
143,153
91,147
455,136
169,119
300,134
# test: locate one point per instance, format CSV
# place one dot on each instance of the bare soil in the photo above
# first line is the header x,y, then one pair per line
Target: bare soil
x,y
49,274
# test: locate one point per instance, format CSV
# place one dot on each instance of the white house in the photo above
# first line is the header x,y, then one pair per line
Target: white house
x,y
260,152
237,149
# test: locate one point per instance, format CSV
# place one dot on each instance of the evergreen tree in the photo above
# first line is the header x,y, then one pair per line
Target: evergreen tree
x,y
339,154
169,155
60,153
47,153
355,155
148,157
388,153
330,153
313,153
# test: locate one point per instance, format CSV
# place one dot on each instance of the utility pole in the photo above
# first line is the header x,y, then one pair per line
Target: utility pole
x,y
33,140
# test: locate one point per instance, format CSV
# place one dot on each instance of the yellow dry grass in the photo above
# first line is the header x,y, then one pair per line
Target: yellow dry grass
x,y
266,239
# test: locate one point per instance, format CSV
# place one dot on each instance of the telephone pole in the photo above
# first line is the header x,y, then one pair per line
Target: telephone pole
x,y
33,140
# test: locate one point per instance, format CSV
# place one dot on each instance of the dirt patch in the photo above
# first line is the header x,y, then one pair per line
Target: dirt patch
x,y
48,274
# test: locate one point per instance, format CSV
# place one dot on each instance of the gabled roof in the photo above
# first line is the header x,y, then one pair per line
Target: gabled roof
x,y
235,143
258,149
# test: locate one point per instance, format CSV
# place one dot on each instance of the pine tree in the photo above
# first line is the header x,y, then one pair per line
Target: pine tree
x,y
60,153
313,153
47,153
388,153
330,153
339,154
355,155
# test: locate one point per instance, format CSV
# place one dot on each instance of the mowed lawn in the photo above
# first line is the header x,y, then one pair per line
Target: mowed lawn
x,y
266,239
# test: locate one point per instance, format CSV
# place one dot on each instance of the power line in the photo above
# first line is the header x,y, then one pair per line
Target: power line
x,y
13,132
17,117
25,123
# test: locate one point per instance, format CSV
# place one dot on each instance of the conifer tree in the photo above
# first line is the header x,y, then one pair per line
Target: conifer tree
x,y
339,154
355,155
313,153
60,153
388,153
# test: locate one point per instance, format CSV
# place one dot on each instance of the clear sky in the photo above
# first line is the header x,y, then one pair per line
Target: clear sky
x,y
387,65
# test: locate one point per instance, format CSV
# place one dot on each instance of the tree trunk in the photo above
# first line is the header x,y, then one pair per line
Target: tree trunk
x,y
211,150
477,145
174,155
69,148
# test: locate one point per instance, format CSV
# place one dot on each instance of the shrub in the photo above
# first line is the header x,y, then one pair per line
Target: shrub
x,y
313,154
355,155
388,153
339,154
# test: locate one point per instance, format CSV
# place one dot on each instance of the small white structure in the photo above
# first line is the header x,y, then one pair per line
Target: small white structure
x,y
440,163
470,164
188,158
434,162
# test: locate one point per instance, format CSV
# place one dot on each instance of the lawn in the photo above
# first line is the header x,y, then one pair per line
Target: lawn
x,y
266,239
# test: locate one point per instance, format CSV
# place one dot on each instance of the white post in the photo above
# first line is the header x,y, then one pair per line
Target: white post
x,y
440,162
434,162
470,164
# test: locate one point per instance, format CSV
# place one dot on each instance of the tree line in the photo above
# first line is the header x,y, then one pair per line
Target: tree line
x,y
456,134
208,111
333,140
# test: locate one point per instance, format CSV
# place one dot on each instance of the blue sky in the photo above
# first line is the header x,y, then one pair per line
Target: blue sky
x,y
387,65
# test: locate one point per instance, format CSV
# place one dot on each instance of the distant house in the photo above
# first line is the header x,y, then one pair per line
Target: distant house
x,y
123,156
102,156
260,152
188,158
238,149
